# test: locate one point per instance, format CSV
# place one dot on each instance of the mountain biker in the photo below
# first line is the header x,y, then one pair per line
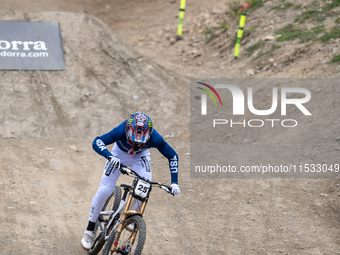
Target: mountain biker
x,y
132,138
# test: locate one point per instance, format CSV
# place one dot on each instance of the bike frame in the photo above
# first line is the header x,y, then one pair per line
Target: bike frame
x,y
126,214
123,210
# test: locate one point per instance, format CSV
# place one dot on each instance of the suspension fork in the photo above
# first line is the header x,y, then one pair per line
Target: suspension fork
x,y
126,213
134,234
122,220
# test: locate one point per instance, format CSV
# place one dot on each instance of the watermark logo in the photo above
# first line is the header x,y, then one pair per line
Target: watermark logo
x,y
204,97
239,101
288,96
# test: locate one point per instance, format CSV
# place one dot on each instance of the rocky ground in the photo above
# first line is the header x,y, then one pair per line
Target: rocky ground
x,y
49,172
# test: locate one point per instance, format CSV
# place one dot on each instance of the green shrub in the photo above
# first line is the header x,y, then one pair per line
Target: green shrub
x,y
254,4
298,6
209,33
297,20
261,53
333,33
291,32
319,18
224,26
334,59
252,48
275,47
288,32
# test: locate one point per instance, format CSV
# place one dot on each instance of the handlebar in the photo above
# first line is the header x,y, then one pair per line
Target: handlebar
x,y
126,170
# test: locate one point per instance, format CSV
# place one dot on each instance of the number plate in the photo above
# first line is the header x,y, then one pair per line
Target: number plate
x,y
142,188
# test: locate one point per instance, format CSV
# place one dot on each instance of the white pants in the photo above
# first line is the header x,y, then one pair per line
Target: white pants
x,y
140,163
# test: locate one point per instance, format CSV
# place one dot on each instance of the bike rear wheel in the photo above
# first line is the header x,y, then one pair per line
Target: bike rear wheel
x,y
131,239
112,203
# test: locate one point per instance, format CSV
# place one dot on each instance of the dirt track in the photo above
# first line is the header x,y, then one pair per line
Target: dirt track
x,y
46,191
47,185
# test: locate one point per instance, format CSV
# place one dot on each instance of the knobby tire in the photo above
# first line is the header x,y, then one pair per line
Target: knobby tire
x,y
138,245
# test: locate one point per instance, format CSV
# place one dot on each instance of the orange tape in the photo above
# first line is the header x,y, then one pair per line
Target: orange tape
x,y
246,6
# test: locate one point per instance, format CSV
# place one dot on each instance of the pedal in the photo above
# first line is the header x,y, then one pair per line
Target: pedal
x,y
124,252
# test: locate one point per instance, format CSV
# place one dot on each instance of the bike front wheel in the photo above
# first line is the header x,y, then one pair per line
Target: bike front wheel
x,y
112,203
132,238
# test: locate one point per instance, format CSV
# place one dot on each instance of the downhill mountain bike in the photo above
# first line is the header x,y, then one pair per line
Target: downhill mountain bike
x,y
122,228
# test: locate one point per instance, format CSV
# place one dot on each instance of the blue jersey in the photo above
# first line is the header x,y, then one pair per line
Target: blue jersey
x,y
117,135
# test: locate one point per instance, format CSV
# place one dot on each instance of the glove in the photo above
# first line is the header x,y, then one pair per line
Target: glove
x,y
175,189
114,161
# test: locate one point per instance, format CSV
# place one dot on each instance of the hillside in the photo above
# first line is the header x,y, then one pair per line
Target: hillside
x,y
105,81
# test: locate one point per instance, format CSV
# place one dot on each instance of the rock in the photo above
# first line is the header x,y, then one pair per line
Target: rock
x,y
74,148
331,200
89,94
195,39
250,72
195,54
266,67
172,40
269,38
215,10
169,136
224,10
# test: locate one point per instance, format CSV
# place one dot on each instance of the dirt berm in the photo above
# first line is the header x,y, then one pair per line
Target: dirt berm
x,y
49,172
104,82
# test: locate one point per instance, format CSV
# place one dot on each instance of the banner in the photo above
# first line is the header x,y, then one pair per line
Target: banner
x,y
31,46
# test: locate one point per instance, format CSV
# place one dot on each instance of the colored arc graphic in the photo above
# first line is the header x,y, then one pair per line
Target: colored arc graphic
x,y
209,92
